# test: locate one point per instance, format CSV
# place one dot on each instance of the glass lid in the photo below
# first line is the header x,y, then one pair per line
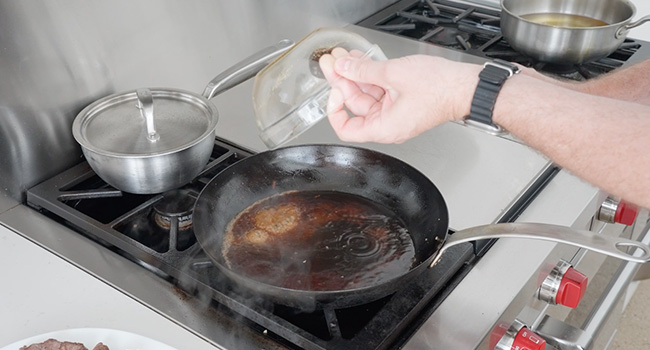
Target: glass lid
x,y
290,95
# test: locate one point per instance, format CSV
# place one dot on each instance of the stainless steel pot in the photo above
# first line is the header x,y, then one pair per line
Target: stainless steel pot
x,y
154,140
567,44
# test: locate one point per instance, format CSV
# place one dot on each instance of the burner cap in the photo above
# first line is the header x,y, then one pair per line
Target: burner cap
x,y
175,203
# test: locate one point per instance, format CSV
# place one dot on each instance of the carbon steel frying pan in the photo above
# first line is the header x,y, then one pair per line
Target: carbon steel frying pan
x,y
378,177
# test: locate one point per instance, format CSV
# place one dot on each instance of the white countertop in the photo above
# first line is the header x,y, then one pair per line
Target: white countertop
x,y
42,293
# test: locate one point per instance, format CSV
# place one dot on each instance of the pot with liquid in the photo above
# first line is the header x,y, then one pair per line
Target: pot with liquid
x,y
567,32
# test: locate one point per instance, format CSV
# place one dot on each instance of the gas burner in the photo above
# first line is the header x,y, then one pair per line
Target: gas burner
x,y
576,72
141,229
166,225
174,204
449,37
173,214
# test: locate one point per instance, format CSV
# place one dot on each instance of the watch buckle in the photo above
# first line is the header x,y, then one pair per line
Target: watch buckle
x,y
507,66
490,129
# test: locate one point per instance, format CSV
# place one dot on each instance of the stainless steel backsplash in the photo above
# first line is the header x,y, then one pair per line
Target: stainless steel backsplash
x,y
58,56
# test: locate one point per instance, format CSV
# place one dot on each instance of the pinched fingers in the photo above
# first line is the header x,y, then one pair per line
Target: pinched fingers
x,y
375,91
359,99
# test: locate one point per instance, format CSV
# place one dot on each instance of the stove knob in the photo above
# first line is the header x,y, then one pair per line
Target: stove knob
x,y
528,340
564,285
497,334
515,337
614,210
572,288
626,213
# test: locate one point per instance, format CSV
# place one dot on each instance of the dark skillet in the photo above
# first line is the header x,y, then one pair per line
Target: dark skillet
x,y
382,179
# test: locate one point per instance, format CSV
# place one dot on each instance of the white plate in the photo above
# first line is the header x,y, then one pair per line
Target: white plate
x,y
114,339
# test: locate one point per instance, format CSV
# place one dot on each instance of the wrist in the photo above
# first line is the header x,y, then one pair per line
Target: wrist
x,y
466,88
492,78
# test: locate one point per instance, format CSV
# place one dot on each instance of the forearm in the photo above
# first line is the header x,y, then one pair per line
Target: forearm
x,y
628,84
604,141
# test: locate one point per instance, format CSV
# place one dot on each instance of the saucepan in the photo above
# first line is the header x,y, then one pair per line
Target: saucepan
x,y
567,31
152,140
331,226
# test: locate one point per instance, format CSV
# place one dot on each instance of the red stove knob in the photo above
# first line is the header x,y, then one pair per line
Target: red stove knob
x,y
572,288
614,210
497,333
528,340
515,337
626,213
564,285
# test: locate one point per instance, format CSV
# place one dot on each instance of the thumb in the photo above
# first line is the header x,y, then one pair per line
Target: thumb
x,y
361,70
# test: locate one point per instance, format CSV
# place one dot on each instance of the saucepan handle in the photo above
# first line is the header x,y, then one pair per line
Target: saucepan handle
x,y
246,69
622,31
617,247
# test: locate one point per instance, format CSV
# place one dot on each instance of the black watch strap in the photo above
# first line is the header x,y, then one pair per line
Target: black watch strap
x,y
491,79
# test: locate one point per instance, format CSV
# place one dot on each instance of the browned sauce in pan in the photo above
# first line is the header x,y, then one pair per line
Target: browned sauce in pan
x,y
318,241
564,20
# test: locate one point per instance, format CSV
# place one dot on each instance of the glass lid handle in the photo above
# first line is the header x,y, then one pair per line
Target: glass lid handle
x,y
145,104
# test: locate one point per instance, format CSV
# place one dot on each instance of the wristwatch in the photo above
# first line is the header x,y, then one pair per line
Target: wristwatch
x,y
491,79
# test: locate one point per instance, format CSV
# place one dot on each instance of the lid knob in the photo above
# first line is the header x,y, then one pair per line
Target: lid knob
x,y
145,104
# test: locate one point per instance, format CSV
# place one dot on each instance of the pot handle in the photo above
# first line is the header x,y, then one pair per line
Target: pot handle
x,y
145,104
622,31
246,69
612,246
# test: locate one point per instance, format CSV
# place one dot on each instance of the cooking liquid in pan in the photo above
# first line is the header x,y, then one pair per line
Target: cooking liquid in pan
x,y
564,20
318,241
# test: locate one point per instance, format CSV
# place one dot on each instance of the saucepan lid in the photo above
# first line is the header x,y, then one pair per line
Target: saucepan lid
x,y
145,122
290,95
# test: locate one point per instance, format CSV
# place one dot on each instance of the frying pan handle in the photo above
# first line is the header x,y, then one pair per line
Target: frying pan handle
x,y
622,31
245,69
612,246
